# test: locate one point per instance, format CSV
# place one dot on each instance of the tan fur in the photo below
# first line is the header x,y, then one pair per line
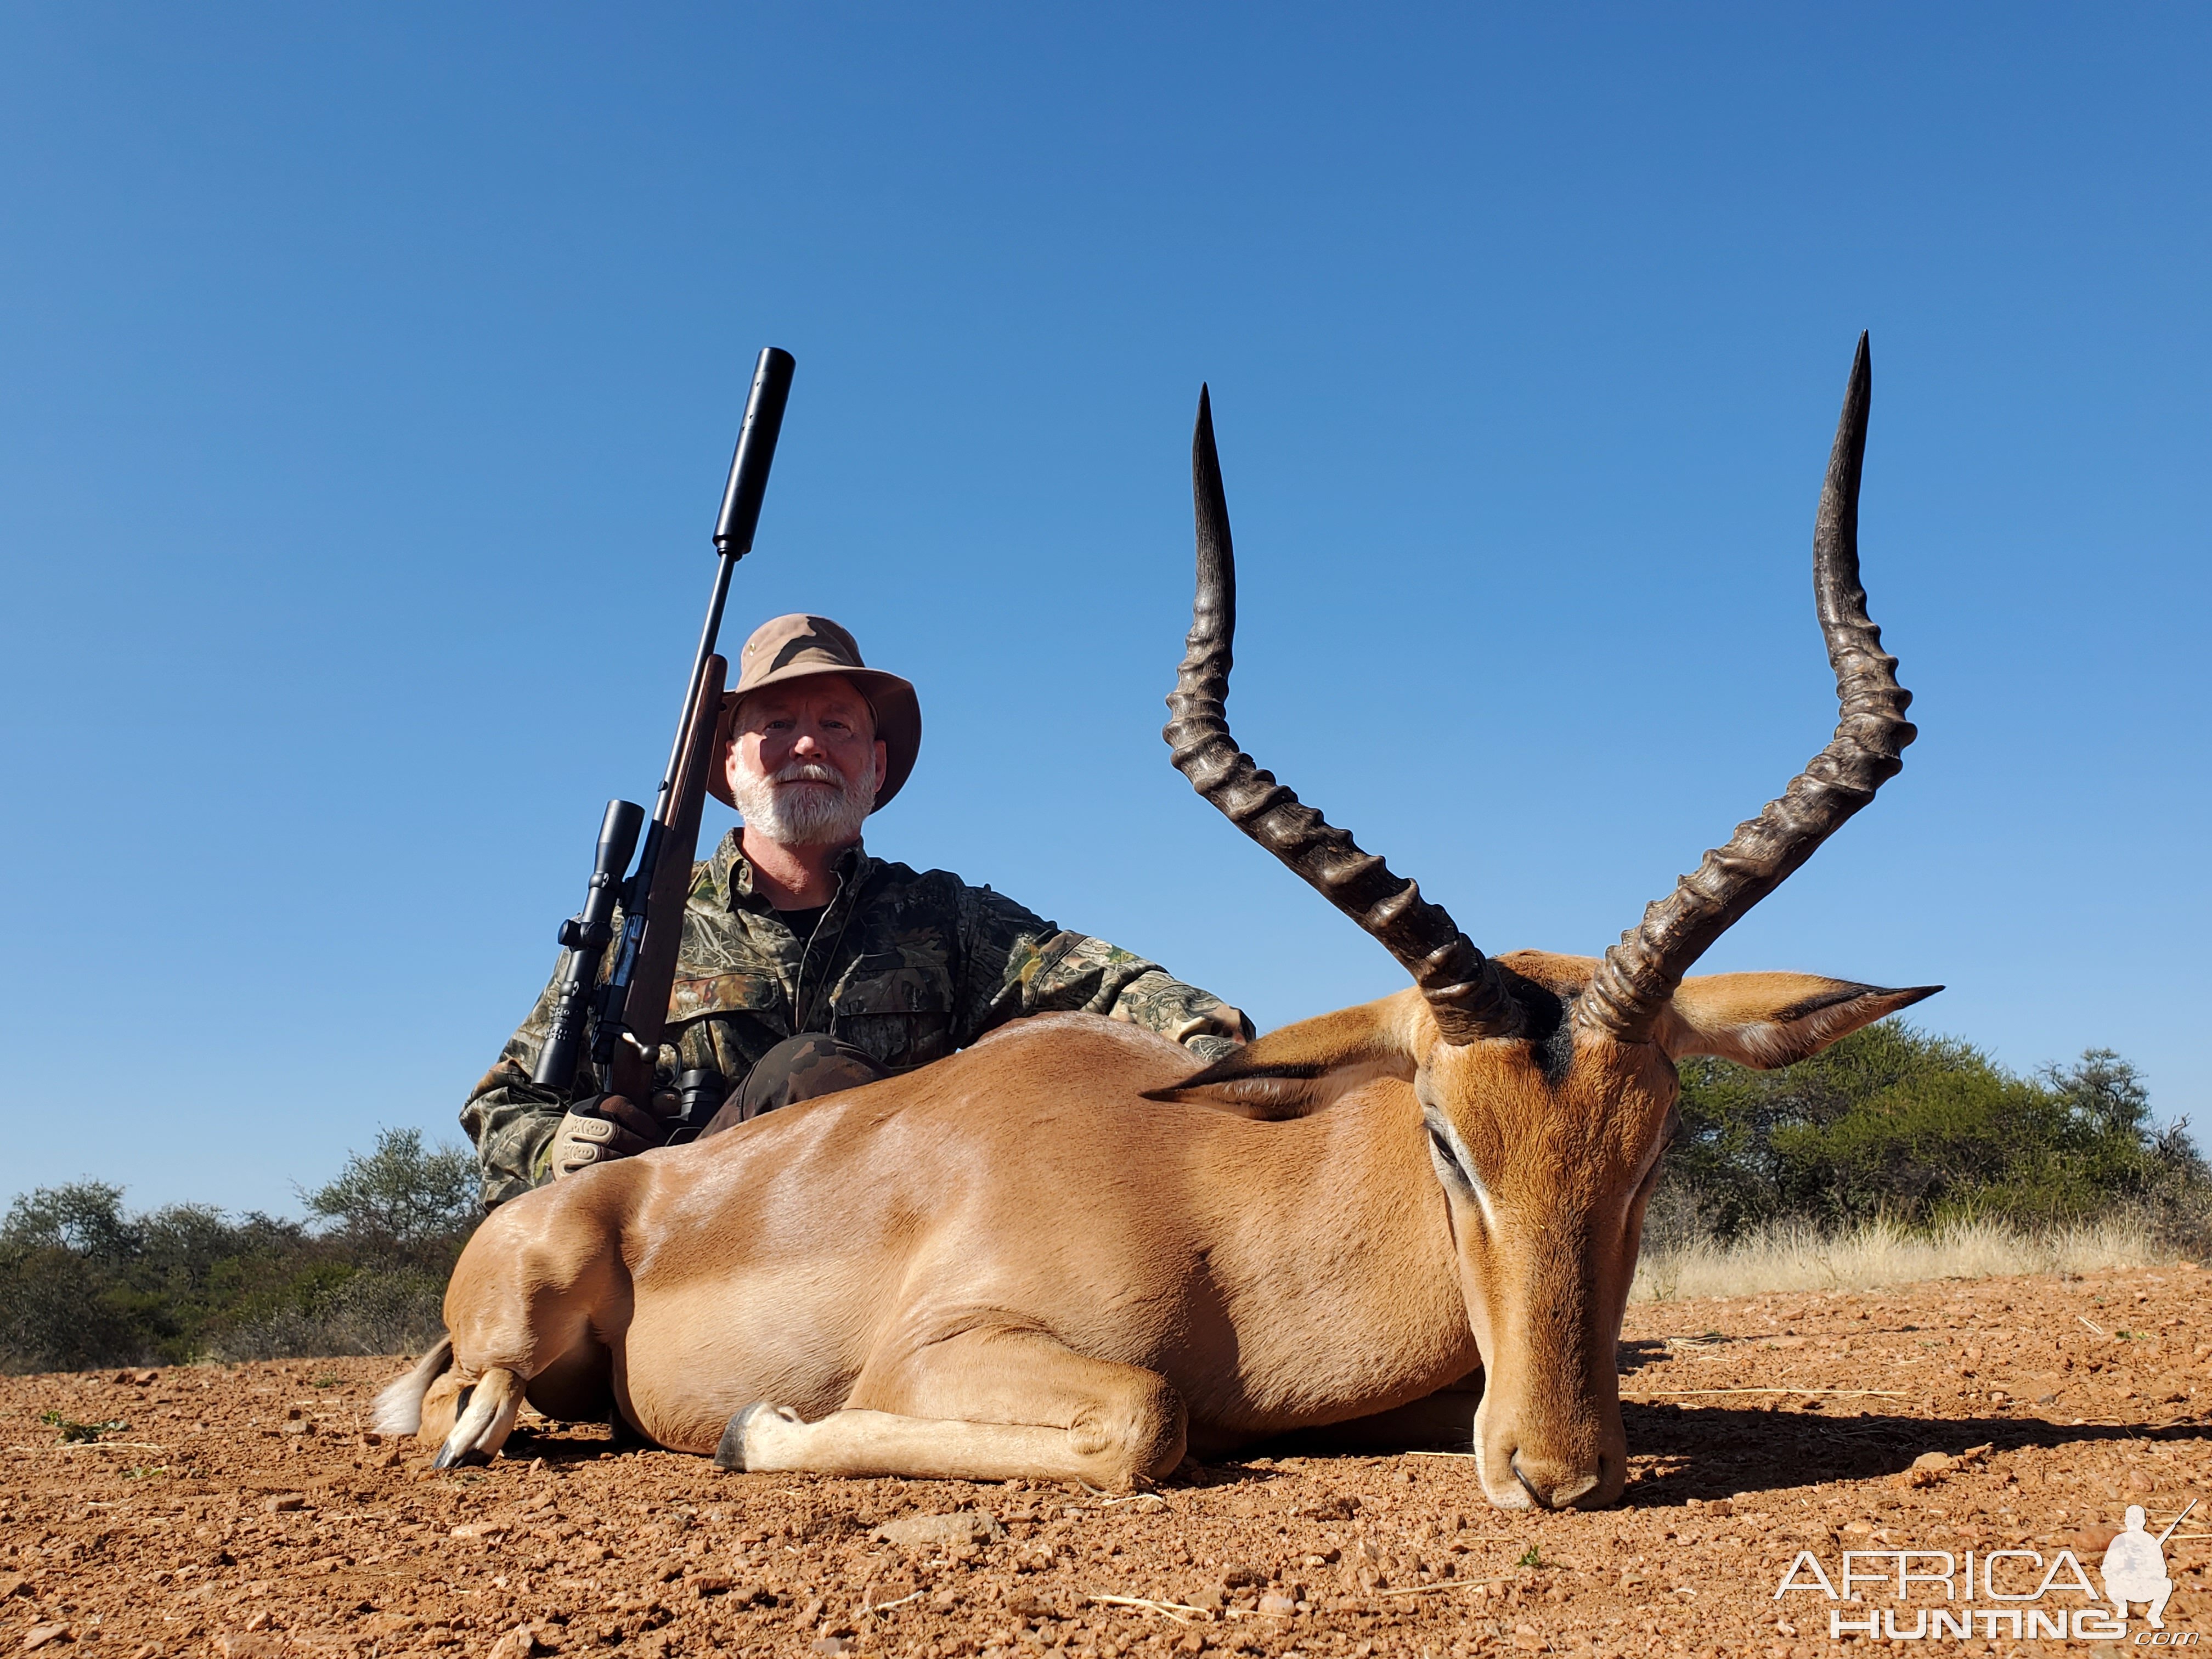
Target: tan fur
x,y
1060,1254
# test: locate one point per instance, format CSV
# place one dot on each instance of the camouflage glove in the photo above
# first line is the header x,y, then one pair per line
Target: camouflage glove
x,y
605,1129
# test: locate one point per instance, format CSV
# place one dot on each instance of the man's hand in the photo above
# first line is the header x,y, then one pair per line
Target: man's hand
x,y
613,1128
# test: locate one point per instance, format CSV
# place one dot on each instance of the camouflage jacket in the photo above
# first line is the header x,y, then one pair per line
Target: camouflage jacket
x,y
907,966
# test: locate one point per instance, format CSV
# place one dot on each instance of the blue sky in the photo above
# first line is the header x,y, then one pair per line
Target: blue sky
x,y
369,376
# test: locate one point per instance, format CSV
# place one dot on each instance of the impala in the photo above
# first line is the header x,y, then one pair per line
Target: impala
x,y
1059,1255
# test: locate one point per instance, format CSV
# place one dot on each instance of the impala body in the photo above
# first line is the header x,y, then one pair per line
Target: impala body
x,y
1059,1255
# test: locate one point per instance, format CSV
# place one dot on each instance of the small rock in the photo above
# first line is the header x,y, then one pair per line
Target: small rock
x,y
1208,1598
11,1584
39,1635
285,1502
707,1584
518,1643
833,1645
480,1529
916,1531
299,1425
1927,1469
1276,1605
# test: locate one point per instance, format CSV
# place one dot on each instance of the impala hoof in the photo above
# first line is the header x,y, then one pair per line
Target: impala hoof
x,y
731,1453
459,1448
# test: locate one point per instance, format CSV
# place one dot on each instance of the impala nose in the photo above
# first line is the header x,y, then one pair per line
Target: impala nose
x,y
1552,1487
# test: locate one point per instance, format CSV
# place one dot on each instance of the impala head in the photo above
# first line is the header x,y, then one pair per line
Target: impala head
x,y
1546,1084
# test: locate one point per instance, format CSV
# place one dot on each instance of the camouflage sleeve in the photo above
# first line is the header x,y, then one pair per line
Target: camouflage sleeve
x,y
512,1119
1017,963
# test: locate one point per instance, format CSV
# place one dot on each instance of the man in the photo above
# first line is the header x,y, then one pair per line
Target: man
x,y
806,965
2135,1569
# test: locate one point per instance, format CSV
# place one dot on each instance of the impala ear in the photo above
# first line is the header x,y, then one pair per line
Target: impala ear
x,y
1766,1020
1299,1070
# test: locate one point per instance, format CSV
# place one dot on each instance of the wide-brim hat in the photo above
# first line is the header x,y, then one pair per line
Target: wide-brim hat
x,y
800,646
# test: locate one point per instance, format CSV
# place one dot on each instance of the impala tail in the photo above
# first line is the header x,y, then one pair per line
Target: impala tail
x,y
399,1408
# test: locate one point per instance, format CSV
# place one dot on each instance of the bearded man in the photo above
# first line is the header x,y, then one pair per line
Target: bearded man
x,y
808,966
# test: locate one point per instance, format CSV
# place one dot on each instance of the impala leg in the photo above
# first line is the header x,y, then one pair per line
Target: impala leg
x,y
487,1410
984,1406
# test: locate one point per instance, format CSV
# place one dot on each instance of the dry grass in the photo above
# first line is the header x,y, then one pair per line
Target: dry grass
x,y
1800,1258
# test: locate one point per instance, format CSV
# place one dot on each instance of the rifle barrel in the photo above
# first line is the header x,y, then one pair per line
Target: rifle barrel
x,y
756,451
2175,1521
733,530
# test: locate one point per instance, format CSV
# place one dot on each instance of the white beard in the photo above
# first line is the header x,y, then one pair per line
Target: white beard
x,y
804,816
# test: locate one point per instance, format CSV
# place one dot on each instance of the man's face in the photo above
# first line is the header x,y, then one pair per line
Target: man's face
x,y
804,763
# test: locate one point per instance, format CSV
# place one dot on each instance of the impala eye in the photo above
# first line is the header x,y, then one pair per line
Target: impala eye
x,y
1450,1160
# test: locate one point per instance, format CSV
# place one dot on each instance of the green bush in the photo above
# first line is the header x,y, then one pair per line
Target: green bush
x,y
401,1204
84,1283
1892,1122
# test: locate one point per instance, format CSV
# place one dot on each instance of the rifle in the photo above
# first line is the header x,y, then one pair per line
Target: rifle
x,y
626,1005
2175,1521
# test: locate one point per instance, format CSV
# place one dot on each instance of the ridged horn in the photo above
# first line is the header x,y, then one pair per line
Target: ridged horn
x,y
1639,975
1466,989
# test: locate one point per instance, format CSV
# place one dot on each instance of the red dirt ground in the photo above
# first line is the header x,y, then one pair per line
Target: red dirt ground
x,y
245,1511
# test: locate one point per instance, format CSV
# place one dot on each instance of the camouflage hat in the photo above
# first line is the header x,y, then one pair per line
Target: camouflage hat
x,y
799,646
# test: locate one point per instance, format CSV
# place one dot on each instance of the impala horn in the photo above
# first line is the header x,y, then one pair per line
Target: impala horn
x,y
1639,975
1465,989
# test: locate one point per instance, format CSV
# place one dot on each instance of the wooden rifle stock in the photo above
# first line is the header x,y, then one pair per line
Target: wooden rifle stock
x,y
644,1012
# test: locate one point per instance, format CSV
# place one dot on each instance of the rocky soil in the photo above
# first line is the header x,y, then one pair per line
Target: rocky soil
x,y
245,1511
